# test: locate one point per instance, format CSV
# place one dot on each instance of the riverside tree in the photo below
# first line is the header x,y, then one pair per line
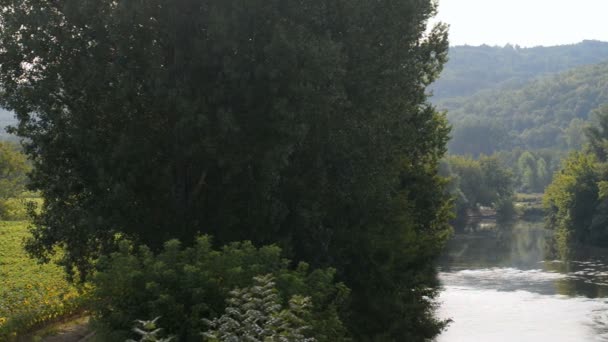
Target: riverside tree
x,y
300,123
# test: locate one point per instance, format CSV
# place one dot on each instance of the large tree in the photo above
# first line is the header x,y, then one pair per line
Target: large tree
x,y
302,123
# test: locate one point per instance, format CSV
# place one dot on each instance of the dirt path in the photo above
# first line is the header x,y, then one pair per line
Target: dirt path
x,y
75,330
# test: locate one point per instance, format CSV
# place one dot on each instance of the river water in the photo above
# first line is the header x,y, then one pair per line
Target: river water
x,y
498,285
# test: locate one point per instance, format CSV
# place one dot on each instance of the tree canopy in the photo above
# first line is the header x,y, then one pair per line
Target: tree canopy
x,y
576,201
472,69
300,123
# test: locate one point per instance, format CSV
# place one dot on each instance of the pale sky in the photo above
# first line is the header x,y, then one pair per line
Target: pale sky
x,y
524,22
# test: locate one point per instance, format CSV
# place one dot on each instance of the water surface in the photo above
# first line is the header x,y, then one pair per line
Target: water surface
x,y
499,285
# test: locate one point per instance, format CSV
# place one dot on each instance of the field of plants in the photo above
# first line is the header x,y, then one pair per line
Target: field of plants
x,y
30,294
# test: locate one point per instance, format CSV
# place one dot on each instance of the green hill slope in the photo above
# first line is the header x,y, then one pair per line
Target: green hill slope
x,y
474,68
548,112
6,119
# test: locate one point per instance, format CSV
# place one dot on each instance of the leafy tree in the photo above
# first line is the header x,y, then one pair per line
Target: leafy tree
x,y
597,135
532,169
526,165
542,175
574,134
570,201
576,201
497,179
478,137
482,182
302,123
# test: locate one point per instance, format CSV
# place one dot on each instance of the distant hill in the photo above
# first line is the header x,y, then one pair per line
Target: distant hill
x,y
472,69
6,119
547,112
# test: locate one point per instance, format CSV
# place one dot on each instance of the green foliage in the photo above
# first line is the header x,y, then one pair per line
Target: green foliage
x,y
13,179
597,134
13,168
533,169
187,285
148,332
576,202
256,314
547,112
482,182
573,134
471,69
300,123
477,137
543,177
30,294
571,200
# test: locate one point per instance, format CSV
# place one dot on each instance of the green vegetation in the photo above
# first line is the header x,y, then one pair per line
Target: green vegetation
x,y
483,182
532,170
576,201
303,124
187,285
30,293
526,106
546,113
472,69
13,168
260,315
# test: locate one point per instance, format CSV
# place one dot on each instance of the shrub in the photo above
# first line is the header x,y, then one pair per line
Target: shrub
x,y
187,285
255,314
148,332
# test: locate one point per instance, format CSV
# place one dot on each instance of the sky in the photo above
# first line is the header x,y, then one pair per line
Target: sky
x,y
525,23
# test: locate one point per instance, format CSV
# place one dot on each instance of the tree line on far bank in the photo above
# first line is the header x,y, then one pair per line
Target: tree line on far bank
x,y
576,201
495,181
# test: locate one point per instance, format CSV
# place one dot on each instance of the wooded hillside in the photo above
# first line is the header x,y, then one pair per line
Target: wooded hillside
x,y
475,68
548,112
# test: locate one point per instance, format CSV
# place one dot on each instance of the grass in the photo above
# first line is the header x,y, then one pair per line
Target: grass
x,y
30,294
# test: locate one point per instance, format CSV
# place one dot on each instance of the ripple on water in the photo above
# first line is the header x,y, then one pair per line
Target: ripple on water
x,y
490,315
504,279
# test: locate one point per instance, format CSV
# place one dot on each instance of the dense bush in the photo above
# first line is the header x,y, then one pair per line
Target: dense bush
x,y
256,314
185,286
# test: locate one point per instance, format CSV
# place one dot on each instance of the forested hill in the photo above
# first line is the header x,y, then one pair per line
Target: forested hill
x,y
6,119
474,68
547,112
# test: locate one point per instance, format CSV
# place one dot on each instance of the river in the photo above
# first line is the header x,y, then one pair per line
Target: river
x,y
498,285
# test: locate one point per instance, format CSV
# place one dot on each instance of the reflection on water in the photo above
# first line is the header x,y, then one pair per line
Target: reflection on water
x,y
499,287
